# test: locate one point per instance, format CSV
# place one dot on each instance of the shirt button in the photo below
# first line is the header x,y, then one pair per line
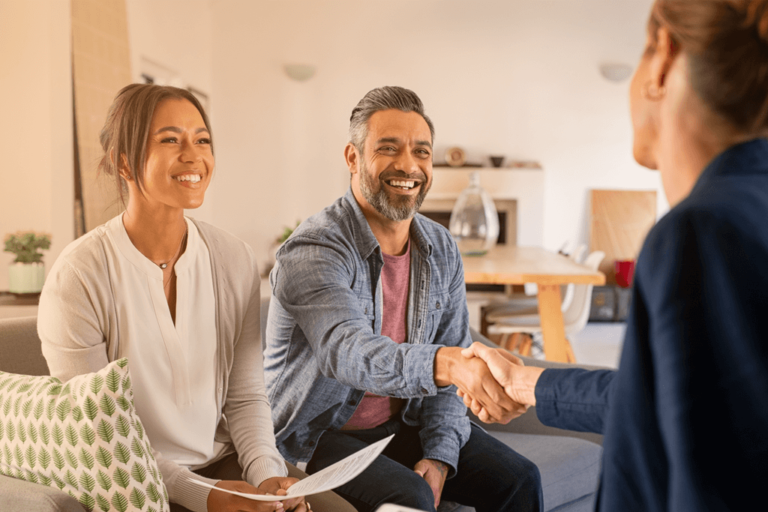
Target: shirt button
x,y
352,403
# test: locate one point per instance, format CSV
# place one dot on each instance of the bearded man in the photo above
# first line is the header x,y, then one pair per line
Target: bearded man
x,y
367,321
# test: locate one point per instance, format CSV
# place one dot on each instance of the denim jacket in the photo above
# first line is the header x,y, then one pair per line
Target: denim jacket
x,y
324,343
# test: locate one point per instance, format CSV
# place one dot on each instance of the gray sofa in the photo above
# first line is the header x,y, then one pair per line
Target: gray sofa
x,y
569,461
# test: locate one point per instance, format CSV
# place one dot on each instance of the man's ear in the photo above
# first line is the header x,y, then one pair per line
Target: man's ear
x,y
352,157
667,51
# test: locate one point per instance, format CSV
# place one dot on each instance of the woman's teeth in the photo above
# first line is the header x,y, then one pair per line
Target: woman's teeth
x,y
406,185
194,178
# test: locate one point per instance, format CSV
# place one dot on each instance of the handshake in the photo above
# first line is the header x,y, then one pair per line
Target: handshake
x,y
494,384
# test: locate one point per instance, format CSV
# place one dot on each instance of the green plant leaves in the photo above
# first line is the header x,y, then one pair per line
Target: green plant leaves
x,y
139,472
103,503
57,434
122,453
45,433
122,426
26,409
87,459
87,500
103,457
152,493
44,458
39,409
113,380
96,384
121,477
71,459
120,502
63,409
137,498
123,403
88,482
71,479
31,457
87,434
58,460
90,408
137,449
103,479
11,431
106,431
107,404
71,435
77,413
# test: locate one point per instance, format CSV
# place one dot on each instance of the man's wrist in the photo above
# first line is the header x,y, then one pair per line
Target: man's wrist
x,y
445,360
525,384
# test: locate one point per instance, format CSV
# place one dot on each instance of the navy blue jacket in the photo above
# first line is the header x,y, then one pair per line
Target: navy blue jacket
x,y
685,417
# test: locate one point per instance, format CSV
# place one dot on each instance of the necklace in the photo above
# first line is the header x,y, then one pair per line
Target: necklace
x,y
164,264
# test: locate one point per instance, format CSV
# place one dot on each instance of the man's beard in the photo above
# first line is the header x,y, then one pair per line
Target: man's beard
x,y
392,206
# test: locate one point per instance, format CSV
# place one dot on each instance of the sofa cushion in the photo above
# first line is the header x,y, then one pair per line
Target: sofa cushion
x,y
570,467
83,437
20,347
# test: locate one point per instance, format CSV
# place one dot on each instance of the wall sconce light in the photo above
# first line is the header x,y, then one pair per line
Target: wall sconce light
x,y
615,72
299,72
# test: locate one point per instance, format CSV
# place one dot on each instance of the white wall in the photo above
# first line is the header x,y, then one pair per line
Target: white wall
x,y
36,176
512,77
174,35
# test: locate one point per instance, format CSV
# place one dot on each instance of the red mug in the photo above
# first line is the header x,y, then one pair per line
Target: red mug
x,y
625,271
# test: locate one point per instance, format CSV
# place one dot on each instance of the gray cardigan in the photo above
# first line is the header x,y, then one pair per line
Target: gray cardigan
x,y
78,327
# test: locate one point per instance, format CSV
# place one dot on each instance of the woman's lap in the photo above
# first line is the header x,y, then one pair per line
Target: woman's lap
x,y
228,468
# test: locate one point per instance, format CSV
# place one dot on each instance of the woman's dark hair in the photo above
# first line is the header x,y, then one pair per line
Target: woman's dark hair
x,y
727,45
126,130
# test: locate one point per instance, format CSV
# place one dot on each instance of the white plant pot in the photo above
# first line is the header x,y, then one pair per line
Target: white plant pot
x,y
26,277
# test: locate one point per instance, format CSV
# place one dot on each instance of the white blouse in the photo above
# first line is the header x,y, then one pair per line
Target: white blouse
x,y
173,367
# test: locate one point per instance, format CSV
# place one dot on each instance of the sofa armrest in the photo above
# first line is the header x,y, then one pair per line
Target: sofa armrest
x,y
18,494
529,422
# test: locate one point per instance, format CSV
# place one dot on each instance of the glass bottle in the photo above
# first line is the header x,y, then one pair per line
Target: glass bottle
x,y
474,221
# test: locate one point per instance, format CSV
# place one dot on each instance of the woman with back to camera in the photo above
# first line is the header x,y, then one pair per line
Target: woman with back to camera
x,y
180,299
685,417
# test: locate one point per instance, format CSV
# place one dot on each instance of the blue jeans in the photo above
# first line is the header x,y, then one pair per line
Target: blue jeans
x,y
491,476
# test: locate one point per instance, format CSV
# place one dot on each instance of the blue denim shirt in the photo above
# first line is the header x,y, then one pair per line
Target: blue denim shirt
x,y
324,343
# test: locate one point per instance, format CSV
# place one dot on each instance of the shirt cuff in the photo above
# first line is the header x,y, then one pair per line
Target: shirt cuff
x,y
187,493
264,468
419,370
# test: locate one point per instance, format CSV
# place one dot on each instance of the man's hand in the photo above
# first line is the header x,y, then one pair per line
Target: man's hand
x,y
434,472
225,502
472,377
279,485
518,381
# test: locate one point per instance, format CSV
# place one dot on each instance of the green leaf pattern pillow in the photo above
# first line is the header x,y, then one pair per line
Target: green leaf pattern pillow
x,y
83,437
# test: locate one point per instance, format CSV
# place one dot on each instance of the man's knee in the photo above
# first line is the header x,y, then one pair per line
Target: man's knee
x,y
415,493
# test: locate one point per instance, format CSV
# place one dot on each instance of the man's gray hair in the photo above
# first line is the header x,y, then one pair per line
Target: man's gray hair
x,y
383,98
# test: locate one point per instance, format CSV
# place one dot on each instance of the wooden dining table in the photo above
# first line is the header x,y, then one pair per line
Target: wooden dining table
x,y
513,265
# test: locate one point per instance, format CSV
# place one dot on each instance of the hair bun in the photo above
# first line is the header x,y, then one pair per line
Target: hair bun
x,y
757,17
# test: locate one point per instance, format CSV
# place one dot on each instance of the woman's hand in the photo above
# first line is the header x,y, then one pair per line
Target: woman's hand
x,y
226,502
279,485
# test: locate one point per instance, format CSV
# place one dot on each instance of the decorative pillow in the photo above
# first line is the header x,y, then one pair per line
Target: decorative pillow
x,y
83,437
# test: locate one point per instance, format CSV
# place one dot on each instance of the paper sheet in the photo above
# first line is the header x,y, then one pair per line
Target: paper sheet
x,y
325,480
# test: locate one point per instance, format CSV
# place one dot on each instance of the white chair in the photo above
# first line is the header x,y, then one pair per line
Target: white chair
x,y
575,315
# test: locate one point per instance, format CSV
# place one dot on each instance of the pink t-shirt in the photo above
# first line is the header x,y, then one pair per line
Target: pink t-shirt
x,y
395,278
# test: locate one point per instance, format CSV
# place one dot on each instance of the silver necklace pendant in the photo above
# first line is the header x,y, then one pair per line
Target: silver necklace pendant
x,y
163,266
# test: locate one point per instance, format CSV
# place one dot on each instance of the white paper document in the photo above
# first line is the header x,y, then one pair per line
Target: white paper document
x,y
325,480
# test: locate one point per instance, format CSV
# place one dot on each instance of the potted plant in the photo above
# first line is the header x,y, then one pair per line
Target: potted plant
x,y
27,272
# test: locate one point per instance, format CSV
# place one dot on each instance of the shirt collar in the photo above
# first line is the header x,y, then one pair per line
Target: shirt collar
x,y
365,239
745,158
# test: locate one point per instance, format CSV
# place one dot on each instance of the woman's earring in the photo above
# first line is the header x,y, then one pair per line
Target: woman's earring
x,y
653,92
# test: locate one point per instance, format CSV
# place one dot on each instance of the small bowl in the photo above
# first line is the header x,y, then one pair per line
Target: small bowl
x,y
497,161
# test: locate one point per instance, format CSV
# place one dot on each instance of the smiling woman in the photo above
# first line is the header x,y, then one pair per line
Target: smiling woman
x,y
180,299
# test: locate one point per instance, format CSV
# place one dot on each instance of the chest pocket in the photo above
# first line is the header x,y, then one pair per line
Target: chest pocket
x,y
439,304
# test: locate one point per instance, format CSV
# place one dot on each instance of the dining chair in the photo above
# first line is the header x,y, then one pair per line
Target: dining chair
x,y
575,316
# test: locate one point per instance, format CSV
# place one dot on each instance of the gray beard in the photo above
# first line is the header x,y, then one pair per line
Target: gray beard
x,y
393,208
